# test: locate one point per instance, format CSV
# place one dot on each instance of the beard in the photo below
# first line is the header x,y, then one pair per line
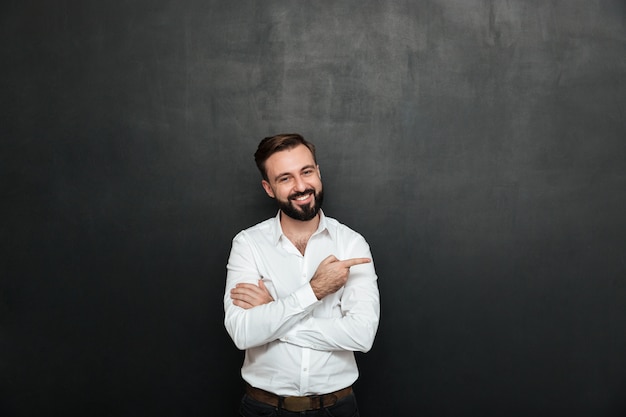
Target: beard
x,y
303,213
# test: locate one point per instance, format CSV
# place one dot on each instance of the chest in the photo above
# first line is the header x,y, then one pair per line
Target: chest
x,y
285,268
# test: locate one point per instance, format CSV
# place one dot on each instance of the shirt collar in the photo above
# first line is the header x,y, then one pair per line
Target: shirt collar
x,y
278,230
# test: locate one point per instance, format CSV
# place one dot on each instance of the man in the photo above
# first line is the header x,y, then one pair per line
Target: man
x,y
301,294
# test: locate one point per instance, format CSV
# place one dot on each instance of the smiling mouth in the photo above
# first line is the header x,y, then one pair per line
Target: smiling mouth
x,y
303,196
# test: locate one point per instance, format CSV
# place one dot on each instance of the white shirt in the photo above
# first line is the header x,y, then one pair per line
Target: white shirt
x,y
299,345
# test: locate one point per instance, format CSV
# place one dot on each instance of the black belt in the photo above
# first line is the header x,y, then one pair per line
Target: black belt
x,y
297,404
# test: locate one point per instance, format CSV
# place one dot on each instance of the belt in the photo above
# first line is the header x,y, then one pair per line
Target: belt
x,y
297,404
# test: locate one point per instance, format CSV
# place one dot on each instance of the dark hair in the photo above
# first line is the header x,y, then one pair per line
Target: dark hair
x,y
272,144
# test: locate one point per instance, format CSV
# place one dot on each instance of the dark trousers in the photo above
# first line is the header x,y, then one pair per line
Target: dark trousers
x,y
345,407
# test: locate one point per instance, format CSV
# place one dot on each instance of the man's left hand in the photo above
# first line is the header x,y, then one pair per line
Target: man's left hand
x,y
249,295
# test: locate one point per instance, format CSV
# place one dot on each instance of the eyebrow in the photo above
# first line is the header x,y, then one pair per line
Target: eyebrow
x,y
289,173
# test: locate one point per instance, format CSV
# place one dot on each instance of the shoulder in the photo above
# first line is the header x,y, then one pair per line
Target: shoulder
x,y
341,231
260,231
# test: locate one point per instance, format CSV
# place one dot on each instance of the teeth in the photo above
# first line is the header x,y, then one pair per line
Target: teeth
x,y
304,197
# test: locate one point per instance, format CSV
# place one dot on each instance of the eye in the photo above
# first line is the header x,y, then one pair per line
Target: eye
x,y
307,172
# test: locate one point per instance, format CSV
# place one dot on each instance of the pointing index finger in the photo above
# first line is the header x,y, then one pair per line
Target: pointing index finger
x,y
355,261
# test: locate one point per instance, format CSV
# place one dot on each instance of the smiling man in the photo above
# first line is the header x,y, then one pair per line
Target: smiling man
x,y
301,294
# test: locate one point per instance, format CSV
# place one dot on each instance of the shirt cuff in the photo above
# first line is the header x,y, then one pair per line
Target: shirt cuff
x,y
305,296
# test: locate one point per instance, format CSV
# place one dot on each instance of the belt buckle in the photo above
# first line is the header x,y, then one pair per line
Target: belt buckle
x,y
297,404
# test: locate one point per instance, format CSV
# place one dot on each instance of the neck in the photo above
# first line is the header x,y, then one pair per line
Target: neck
x,y
293,227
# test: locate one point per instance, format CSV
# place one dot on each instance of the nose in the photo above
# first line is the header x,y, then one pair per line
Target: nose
x,y
300,184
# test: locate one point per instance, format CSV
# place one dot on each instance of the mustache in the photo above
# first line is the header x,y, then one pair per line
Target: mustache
x,y
303,193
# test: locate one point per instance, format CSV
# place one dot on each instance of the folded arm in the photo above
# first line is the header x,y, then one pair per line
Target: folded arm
x,y
351,326
357,324
250,327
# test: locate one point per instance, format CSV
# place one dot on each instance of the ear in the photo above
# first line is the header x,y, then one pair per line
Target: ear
x,y
319,173
268,188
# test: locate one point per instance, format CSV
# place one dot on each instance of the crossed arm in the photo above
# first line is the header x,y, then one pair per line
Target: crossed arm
x,y
254,317
331,275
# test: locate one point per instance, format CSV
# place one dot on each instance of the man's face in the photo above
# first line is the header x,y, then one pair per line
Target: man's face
x,y
294,181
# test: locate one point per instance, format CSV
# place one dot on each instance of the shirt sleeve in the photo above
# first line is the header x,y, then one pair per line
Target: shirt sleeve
x,y
265,323
360,313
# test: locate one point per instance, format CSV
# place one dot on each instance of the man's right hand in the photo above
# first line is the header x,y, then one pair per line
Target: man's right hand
x,y
332,274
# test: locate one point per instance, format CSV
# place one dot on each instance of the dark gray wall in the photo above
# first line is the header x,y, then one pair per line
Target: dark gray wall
x,y
478,145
